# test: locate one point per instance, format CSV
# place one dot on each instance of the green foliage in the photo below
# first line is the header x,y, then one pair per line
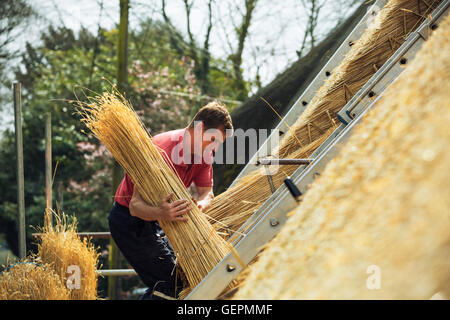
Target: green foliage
x,y
50,75
14,16
67,66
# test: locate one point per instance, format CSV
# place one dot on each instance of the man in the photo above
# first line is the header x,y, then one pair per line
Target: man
x,y
133,222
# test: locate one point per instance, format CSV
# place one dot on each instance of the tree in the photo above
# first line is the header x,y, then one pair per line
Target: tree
x,y
46,72
312,8
166,96
14,14
206,68
236,57
200,55
162,87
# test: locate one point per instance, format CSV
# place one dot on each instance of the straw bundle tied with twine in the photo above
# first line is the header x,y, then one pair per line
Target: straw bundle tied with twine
x,y
381,205
113,121
394,22
226,222
387,32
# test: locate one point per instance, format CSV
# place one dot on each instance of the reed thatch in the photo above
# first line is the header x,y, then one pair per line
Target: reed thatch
x,y
383,203
196,243
60,247
30,281
387,32
395,21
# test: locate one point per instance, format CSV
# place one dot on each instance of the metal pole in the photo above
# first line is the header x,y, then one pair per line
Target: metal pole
x,y
269,178
116,272
20,176
284,161
48,168
92,235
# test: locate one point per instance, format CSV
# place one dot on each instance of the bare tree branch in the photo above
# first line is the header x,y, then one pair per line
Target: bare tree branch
x,y
188,6
96,43
206,55
236,57
312,13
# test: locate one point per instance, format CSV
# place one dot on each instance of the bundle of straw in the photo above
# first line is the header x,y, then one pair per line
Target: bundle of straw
x,y
30,281
387,32
395,21
381,205
60,247
112,119
258,187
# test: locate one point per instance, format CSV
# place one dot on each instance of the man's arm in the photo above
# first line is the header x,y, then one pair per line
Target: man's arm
x,y
205,196
174,211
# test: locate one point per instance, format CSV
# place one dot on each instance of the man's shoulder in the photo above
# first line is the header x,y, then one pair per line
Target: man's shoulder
x,y
168,137
168,134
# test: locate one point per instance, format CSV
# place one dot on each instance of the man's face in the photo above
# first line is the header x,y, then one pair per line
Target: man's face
x,y
207,141
212,139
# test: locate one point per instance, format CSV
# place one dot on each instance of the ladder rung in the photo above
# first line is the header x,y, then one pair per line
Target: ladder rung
x,y
269,161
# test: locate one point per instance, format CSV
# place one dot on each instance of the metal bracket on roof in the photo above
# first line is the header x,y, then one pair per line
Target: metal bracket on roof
x,y
269,162
267,221
269,178
266,162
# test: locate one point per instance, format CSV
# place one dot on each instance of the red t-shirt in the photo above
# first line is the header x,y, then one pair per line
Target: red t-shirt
x,y
200,174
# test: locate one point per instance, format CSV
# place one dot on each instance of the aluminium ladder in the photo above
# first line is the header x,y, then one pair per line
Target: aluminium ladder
x,y
267,221
301,103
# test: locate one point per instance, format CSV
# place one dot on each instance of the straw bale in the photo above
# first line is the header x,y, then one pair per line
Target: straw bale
x,y
381,204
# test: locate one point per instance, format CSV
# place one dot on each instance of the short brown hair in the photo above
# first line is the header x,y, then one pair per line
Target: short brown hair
x,y
213,115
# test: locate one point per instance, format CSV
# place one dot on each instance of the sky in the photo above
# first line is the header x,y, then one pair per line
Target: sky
x,y
275,33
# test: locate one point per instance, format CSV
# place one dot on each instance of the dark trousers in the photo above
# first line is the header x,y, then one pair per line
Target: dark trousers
x,y
146,249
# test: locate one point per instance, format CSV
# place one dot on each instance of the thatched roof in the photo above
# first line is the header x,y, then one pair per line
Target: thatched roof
x,y
381,206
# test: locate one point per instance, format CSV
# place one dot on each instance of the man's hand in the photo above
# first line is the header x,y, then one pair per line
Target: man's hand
x,y
166,211
174,211
205,197
204,204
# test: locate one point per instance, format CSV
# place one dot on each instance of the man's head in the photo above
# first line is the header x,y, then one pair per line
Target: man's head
x,y
213,123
